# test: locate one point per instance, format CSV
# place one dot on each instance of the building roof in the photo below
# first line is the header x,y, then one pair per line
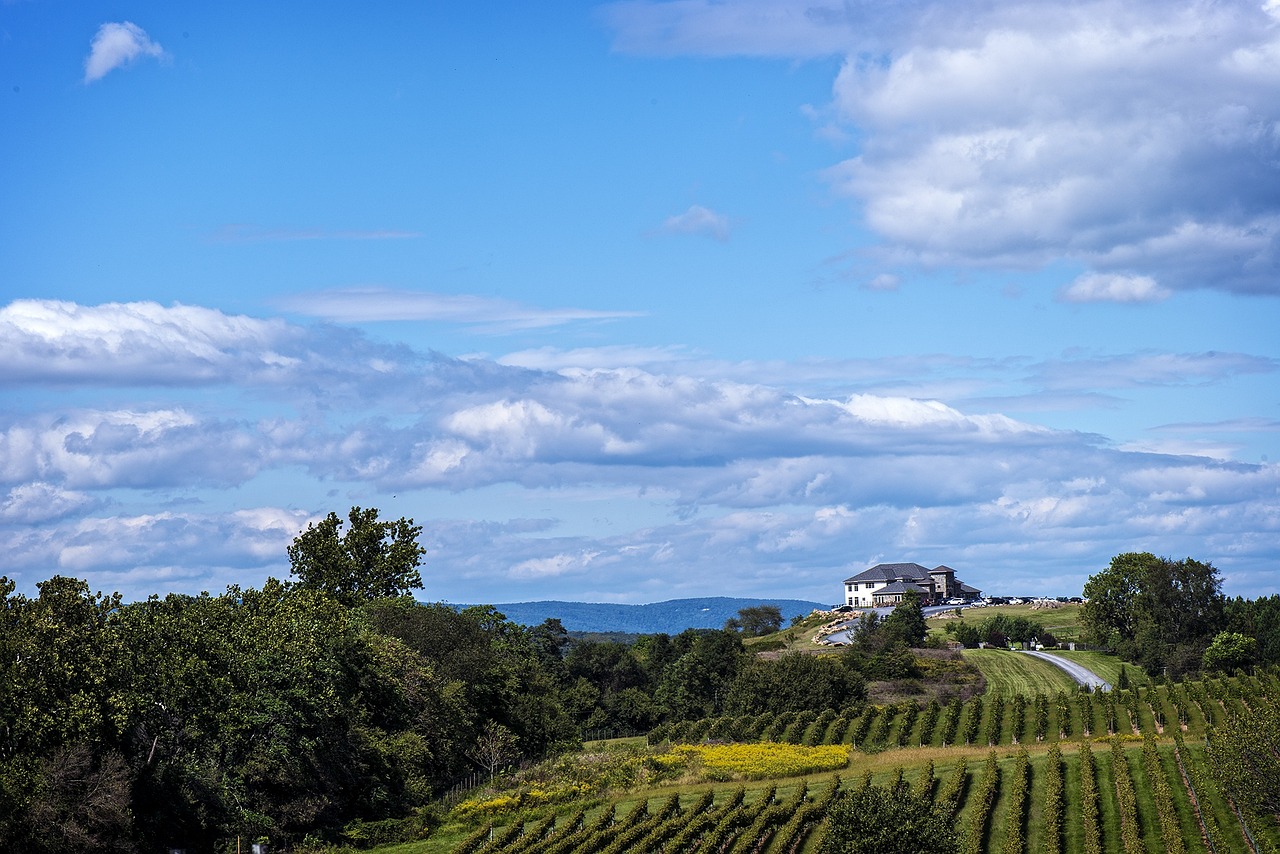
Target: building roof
x,y
889,572
943,568
898,587
968,588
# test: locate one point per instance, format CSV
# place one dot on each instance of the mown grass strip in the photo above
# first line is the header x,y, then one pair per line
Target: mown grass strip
x,y
1010,674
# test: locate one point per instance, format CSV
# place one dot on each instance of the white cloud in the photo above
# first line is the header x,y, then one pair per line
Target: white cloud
x,y
355,305
144,343
555,565
116,45
1113,287
700,465
90,449
53,340
38,502
167,550
610,356
884,282
698,220
1135,139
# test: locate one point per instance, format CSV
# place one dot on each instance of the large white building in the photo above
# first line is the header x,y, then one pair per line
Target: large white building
x,y
886,584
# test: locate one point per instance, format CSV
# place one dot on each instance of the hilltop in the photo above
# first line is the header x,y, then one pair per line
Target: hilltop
x,y
672,616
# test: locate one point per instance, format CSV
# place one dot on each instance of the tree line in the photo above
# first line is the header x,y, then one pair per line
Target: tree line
x,y
1171,617
313,709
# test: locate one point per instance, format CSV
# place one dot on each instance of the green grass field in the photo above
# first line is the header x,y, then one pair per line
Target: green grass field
x,y
1011,673
1104,664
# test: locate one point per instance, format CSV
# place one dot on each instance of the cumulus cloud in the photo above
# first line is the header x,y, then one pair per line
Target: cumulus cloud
x,y
38,502
698,220
704,466
116,45
168,550
144,343
1134,139
91,449
1113,287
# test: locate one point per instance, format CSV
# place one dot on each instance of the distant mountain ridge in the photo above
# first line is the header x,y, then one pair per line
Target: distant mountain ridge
x,y
671,617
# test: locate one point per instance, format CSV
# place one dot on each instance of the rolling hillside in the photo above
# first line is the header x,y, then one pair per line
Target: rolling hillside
x,y
672,616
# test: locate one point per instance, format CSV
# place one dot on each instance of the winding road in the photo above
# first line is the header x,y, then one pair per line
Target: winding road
x,y
1082,675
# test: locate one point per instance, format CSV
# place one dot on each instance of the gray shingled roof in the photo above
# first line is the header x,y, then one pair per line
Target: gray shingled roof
x,y
890,571
898,587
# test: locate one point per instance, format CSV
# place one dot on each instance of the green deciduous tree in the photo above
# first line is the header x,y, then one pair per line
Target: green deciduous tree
x,y
759,620
796,682
905,623
1259,619
1230,650
1156,611
371,560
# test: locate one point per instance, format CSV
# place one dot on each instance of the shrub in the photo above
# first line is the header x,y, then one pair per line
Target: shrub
x,y
765,760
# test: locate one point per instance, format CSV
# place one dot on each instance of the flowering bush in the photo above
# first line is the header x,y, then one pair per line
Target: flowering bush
x,y
761,761
517,800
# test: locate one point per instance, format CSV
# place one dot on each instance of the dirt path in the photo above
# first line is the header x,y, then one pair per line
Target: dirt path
x,y
1082,675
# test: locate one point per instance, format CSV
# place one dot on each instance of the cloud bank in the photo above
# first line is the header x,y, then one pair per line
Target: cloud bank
x,y
1134,141
701,475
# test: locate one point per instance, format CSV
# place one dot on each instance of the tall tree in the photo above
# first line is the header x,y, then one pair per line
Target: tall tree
x,y
905,622
1230,650
1156,611
759,620
371,560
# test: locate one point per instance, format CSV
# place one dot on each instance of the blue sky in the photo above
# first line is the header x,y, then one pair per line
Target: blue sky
x,y
643,300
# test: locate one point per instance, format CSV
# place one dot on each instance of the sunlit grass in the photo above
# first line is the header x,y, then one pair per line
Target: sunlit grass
x,y
1011,673
1104,664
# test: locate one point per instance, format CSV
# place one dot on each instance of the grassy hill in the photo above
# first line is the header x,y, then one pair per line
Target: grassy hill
x,y
1031,765
1118,771
672,616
